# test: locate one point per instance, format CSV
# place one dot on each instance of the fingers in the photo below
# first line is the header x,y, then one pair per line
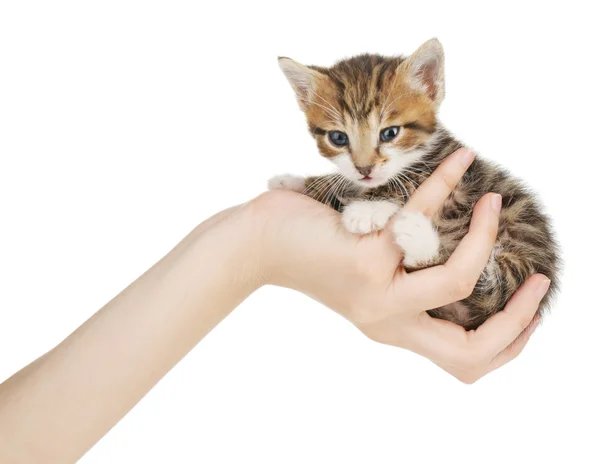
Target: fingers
x,y
470,355
430,195
516,347
441,341
508,354
453,281
504,327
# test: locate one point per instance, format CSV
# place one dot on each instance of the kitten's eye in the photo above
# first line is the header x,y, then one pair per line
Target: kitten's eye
x,y
338,138
389,133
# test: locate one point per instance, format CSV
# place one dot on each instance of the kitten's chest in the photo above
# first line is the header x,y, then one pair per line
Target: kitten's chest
x,y
395,191
451,221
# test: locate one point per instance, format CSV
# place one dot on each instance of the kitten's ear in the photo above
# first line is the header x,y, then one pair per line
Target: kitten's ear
x,y
425,70
302,79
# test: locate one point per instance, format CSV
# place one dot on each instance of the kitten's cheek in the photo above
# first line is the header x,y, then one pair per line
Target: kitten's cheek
x,y
345,165
382,174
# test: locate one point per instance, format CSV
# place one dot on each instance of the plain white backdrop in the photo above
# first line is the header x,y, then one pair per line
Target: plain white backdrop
x,y
123,124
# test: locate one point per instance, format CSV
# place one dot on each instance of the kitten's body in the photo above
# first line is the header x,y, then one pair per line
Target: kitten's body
x,y
366,94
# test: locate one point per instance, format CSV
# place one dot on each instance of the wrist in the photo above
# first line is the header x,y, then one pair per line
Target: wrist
x,y
232,241
282,247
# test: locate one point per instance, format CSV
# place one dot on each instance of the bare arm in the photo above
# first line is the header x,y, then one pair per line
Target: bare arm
x,y
55,409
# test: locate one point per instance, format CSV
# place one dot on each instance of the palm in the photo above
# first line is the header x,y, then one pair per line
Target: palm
x,y
360,277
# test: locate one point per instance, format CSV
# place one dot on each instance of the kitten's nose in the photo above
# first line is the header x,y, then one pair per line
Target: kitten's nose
x,y
365,170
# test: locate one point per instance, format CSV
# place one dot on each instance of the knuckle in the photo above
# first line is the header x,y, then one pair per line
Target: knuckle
x,y
448,178
266,201
462,288
523,322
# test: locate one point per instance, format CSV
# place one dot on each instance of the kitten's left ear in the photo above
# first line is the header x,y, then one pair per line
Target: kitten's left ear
x,y
302,79
425,70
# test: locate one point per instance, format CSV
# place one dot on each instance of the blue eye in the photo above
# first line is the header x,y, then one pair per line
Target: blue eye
x,y
338,138
389,133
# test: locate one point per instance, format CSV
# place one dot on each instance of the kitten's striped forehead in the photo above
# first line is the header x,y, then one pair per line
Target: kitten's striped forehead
x,y
362,83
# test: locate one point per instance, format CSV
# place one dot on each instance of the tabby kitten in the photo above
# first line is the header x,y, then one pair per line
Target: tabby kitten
x,y
375,117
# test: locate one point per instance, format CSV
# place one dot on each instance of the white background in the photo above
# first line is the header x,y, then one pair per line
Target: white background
x,y
123,124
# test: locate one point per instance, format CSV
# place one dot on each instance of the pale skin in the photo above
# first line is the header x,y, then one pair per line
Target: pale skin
x,y
60,405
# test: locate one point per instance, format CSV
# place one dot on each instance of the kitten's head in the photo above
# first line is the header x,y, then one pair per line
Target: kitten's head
x,y
372,116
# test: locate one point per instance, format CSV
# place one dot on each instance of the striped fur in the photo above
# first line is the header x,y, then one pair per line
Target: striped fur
x,y
361,96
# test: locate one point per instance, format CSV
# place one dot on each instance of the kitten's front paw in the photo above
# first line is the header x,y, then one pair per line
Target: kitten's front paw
x,y
364,217
417,237
287,182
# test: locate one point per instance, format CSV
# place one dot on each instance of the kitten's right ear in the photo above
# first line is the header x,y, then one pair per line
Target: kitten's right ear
x,y
302,79
425,70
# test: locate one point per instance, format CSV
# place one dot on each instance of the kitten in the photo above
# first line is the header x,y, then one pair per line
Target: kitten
x,y
375,117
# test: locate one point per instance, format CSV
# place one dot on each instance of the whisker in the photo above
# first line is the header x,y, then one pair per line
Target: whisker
x,y
409,180
327,187
317,185
333,115
396,182
385,106
415,170
314,186
420,173
335,111
336,189
331,111
388,107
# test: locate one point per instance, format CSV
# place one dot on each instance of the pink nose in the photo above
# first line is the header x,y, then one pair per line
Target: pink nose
x,y
365,170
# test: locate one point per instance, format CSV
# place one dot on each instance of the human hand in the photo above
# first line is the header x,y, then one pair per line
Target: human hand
x,y
303,246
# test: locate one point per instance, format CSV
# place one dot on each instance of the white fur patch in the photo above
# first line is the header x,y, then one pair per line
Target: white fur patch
x,y
287,182
398,161
364,217
346,166
417,237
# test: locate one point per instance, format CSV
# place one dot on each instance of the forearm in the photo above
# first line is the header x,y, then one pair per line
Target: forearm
x,y
56,408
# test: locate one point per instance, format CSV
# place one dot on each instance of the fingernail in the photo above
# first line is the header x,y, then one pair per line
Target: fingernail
x,y
542,288
496,203
467,158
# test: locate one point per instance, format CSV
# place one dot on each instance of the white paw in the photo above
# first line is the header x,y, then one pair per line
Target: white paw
x,y
287,182
417,237
364,217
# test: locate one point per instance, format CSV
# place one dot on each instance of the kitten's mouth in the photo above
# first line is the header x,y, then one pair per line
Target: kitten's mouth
x,y
366,181
369,182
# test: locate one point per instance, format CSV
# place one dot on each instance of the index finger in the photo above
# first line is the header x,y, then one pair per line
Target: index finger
x,y
430,195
